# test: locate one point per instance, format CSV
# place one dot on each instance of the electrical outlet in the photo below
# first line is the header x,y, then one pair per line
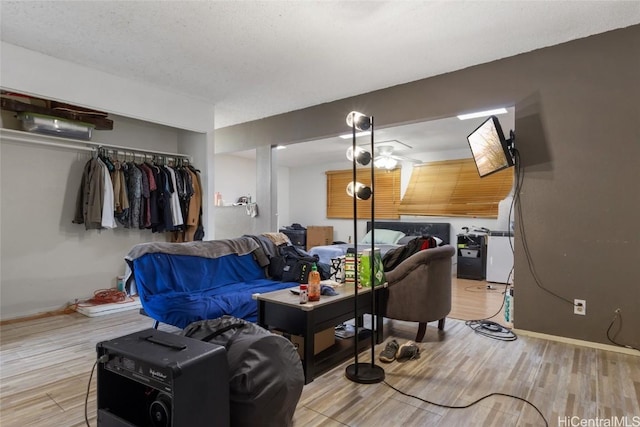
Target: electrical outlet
x,y
580,307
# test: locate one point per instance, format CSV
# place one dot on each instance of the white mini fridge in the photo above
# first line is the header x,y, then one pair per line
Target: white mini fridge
x,y
500,257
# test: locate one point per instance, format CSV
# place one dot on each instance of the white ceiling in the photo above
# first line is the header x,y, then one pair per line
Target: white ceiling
x,y
254,59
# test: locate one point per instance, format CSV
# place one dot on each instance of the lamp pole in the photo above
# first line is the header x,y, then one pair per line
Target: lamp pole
x,y
355,240
363,373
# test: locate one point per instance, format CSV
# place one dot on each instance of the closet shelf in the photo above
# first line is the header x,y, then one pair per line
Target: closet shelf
x,y
101,123
74,144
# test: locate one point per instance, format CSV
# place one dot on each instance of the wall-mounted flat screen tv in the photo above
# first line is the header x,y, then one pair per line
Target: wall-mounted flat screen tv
x,y
489,147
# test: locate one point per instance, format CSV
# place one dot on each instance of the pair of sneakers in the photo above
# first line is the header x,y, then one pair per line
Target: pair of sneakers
x,y
394,351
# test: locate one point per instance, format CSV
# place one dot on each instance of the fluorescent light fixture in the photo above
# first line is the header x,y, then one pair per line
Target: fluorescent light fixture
x,y
349,135
482,114
281,147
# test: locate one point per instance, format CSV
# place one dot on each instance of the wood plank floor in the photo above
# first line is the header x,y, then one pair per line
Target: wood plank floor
x,y
45,365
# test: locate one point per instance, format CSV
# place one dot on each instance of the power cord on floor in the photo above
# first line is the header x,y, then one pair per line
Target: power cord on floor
x,y
491,329
472,403
615,317
102,359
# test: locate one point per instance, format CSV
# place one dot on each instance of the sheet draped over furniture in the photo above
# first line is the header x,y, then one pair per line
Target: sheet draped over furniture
x,y
178,288
434,229
209,249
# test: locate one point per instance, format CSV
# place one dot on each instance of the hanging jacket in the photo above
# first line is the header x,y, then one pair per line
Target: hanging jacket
x,y
90,196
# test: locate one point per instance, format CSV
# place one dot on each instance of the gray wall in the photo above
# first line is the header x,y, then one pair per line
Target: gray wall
x,y
48,262
578,130
45,261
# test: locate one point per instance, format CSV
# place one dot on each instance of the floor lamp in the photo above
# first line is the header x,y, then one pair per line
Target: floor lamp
x,y
364,373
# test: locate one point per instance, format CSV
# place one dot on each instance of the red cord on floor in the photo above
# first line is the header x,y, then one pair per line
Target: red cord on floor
x,y
103,296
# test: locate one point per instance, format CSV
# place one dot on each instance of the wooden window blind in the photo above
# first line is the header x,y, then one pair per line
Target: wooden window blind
x,y
387,194
454,188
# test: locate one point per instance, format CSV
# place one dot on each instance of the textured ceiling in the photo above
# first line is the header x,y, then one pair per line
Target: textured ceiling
x,y
256,59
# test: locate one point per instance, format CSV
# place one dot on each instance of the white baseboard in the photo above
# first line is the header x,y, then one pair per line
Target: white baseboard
x,y
582,343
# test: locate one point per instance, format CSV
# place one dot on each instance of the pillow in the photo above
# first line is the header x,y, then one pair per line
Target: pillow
x,y
384,237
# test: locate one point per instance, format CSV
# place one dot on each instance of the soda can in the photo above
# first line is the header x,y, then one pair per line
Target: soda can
x,y
304,294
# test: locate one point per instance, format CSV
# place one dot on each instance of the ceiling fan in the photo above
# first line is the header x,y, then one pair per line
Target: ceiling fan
x,y
386,156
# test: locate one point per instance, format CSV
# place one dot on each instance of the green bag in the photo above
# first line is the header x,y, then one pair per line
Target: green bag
x,y
365,268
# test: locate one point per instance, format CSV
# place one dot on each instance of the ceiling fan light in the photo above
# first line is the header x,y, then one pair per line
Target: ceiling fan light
x,y
385,163
390,163
358,120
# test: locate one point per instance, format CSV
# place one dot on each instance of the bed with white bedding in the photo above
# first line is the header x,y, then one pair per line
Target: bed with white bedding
x,y
388,235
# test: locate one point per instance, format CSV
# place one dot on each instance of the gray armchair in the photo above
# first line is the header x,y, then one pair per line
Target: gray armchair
x,y
420,288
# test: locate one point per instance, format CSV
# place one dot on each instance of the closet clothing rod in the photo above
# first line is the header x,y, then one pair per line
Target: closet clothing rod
x,y
57,141
52,144
140,150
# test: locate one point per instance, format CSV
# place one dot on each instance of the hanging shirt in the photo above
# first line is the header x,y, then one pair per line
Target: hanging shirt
x,y
135,195
176,213
151,218
108,206
195,203
119,189
164,200
144,207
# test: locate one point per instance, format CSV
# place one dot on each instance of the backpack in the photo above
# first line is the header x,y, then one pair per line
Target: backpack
x,y
291,264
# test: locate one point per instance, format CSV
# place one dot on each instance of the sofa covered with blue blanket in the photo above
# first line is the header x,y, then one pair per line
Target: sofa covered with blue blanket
x,y
180,283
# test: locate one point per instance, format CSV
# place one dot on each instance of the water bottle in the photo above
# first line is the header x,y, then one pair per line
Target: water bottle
x,y
507,305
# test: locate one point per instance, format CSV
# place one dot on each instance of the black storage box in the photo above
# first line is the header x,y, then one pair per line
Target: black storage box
x,y
297,237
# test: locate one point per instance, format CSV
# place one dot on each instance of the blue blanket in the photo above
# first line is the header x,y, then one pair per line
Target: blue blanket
x,y
181,289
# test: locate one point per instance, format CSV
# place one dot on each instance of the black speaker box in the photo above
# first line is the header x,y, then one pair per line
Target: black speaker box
x,y
158,379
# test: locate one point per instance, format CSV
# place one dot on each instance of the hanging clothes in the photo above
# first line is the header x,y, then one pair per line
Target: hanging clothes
x,y
108,205
153,195
140,195
187,192
195,206
135,195
157,213
176,212
144,207
121,209
165,200
184,182
90,196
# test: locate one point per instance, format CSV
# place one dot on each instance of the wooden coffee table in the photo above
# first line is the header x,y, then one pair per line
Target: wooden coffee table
x,y
282,310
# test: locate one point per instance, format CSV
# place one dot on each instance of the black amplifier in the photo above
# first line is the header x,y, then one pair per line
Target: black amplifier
x,y
158,379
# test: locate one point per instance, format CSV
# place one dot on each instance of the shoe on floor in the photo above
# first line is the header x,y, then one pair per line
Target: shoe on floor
x,y
388,355
408,351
